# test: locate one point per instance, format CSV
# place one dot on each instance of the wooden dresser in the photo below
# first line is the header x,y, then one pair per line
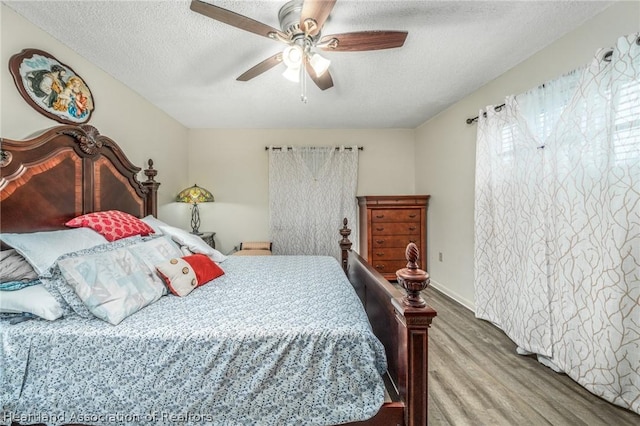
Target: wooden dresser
x,y
387,224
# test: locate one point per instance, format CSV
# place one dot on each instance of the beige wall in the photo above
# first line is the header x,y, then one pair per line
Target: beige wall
x,y
141,130
445,145
233,164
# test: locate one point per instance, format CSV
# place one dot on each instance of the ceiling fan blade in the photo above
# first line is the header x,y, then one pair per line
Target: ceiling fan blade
x,y
362,40
263,66
324,82
235,20
317,11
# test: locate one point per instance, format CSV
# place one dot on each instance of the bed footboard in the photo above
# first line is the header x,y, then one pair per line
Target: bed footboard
x,y
402,329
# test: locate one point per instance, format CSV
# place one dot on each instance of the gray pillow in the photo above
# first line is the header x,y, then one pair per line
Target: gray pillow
x,y
14,267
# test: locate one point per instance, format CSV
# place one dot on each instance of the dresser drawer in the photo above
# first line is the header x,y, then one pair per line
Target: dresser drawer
x,y
395,228
395,215
388,266
383,241
389,253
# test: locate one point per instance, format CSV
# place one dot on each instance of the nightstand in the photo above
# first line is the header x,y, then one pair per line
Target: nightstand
x,y
208,238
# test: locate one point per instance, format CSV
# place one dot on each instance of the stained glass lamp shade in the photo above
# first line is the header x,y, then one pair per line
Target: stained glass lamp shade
x,y
195,195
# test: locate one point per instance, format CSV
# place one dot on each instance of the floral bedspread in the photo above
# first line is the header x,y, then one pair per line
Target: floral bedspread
x,y
277,340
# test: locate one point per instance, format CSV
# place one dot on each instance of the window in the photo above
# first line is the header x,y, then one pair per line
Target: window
x,y
626,135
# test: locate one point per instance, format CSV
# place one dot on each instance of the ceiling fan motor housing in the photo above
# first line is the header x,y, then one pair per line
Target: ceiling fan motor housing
x,y
289,18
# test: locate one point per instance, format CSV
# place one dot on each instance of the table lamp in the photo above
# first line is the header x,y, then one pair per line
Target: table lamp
x,y
195,195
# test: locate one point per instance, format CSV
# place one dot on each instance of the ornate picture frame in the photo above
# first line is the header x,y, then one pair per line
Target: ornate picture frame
x,y
51,87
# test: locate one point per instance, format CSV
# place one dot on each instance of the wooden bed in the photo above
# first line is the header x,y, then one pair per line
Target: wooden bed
x,y
71,170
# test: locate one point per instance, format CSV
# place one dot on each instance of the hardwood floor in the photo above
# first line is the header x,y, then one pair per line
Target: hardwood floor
x,y
476,378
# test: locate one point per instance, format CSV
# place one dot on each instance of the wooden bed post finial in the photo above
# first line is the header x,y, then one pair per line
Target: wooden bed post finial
x,y
345,244
150,173
413,279
152,189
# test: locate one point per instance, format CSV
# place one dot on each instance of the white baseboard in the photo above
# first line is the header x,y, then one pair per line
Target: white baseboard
x,y
463,301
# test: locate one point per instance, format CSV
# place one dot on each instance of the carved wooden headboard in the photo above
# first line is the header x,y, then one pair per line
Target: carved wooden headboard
x,y
67,171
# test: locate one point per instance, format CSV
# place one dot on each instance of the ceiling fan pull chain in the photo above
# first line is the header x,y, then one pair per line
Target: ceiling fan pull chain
x,y
303,84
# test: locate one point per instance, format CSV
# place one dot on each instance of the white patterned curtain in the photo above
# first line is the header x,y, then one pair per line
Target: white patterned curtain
x,y
311,190
511,286
557,222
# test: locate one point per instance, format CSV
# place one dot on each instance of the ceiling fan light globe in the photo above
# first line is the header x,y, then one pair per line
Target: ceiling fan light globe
x,y
292,74
292,56
319,64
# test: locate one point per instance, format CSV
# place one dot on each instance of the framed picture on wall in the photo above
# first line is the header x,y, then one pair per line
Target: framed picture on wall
x,y
51,87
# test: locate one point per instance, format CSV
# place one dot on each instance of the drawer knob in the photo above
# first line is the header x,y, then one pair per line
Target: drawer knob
x,y
379,254
379,266
379,241
379,216
412,228
380,229
412,215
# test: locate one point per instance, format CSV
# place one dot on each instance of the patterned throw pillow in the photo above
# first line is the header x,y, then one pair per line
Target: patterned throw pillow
x,y
112,224
112,285
147,252
184,274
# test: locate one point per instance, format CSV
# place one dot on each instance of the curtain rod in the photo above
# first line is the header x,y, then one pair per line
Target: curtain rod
x,y
484,114
289,148
606,57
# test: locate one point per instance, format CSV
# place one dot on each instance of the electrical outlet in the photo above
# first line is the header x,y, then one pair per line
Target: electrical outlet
x,y
440,256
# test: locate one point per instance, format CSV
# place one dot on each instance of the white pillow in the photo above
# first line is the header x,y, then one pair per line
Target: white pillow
x,y
154,222
35,300
42,249
194,243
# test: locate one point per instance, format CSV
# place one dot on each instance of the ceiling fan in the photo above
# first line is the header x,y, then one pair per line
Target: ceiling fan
x,y
301,23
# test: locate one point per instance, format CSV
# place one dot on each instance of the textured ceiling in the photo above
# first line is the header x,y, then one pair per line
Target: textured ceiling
x,y
186,64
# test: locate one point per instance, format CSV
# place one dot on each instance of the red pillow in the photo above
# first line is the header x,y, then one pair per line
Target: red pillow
x,y
112,224
184,274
